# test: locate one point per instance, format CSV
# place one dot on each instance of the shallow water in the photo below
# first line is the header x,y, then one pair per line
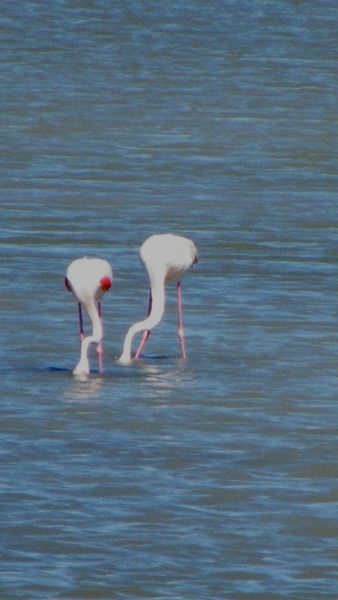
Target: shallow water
x,y
214,477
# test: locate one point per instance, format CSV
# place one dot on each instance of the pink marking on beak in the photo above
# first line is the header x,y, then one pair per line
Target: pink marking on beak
x,y
105,283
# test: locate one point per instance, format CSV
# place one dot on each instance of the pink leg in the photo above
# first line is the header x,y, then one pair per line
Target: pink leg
x,y
99,349
146,333
144,339
180,321
80,321
99,352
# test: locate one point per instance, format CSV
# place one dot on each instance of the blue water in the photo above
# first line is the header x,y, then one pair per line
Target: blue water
x,y
213,478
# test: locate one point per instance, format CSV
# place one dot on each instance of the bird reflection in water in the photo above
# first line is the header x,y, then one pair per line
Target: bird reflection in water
x,y
85,389
160,381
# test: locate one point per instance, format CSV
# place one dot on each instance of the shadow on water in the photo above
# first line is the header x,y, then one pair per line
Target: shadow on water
x,y
55,370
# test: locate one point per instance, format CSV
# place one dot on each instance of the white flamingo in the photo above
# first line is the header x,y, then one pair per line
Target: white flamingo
x,y
89,279
165,256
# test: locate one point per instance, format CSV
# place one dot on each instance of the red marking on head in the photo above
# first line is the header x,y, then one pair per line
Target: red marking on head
x,y
67,284
195,261
105,283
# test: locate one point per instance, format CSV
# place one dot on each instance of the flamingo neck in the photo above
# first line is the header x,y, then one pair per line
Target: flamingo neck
x,y
93,314
153,319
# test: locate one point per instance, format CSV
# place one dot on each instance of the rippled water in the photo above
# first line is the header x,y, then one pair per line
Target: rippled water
x,y
214,477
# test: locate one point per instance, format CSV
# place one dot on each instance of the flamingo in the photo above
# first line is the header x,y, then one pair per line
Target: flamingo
x,y
89,279
165,256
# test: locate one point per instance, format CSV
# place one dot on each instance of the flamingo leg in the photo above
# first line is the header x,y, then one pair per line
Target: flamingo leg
x,y
99,349
146,333
99,352
80,321
180,320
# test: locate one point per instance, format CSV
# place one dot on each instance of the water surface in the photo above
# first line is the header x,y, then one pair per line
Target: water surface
x,y
214,477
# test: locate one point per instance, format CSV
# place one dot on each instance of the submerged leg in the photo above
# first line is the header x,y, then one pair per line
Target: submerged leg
x,y
146,333
180,321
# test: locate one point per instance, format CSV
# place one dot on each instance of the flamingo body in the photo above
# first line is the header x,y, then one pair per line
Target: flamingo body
x,y
165,257
89,279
